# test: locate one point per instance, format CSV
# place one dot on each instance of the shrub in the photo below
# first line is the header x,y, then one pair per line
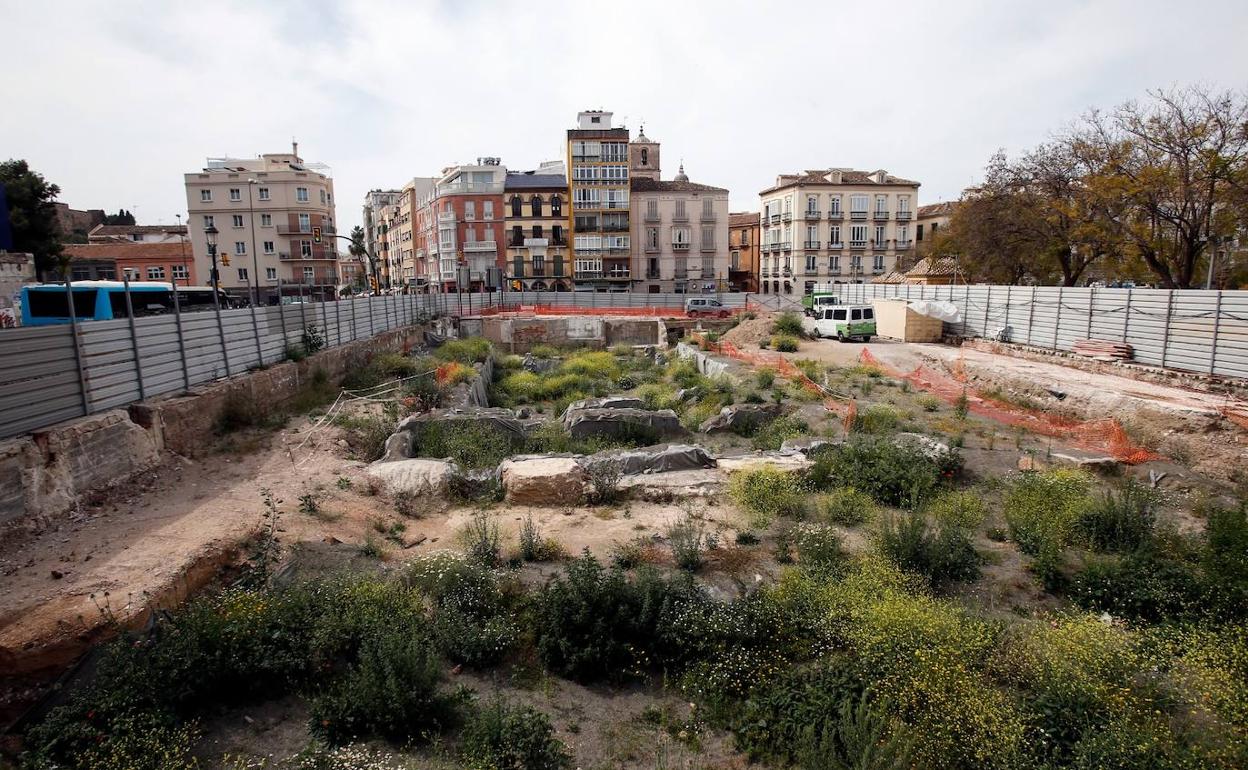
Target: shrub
x,y
819,549
1143,585
500,737
658,396
240,410
766,378
847,506
630,553
1120,520
784,343
772,435
542,351
1043,510
532,544
789,324
775,723
928,403
453,373
472,622
473,350
902,476
593,623
313,339
481,535
604,480
367,435
962,406
470,444
961,509
876,418
295,352
858,735
766,492
390,692
941,551
598,365
687,537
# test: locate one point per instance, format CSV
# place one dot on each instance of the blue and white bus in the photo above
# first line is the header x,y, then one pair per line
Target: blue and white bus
x,y
46,303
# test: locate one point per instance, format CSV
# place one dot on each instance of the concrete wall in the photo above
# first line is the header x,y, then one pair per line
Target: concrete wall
x,y
44,473
519,335
707,365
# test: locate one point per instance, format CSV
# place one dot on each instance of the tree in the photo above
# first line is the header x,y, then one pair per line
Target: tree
x,y
122,217
32,215
1165,175
359,251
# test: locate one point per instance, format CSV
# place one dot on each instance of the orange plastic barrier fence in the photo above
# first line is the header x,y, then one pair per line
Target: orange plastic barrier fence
x,y
1105,435
530,310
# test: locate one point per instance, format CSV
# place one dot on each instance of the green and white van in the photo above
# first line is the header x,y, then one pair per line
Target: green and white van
x,y
844,322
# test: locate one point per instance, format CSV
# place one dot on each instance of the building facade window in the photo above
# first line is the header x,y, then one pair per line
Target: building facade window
x,y
857,204
834,237
556,206
305,249
307,275
878,263
858,235
236,194
205,196
834,204
263,193
735,261
268,247
209,221
810,263
680,237
155,273
516,210
301,194
535,204
242,274
470,209
708,236
305,223
238,220
487,209
179,272
266,220
556,235
270,273
322,197
879,235
240,247
680,210
834,265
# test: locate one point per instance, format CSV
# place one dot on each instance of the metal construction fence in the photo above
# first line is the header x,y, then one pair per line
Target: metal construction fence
x,y
54,373
1192,330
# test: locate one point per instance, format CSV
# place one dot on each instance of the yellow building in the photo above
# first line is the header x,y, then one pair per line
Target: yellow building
x,y
535,206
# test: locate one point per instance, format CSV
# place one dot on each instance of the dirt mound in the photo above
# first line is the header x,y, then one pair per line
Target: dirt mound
x,y
750,332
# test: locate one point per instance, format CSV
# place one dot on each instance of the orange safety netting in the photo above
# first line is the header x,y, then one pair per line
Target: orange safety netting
x,y
840,405
1106,435
531,310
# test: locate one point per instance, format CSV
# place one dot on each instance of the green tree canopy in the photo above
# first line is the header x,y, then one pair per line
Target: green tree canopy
x,y
31,213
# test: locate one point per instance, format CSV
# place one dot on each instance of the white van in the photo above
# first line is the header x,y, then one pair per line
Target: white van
x,y
843,322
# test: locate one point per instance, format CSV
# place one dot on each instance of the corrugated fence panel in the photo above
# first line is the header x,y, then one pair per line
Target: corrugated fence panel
x,y
39,382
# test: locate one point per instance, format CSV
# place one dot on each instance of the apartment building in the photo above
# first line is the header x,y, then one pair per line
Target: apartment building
x,y
931,219
266,212
458,229
137,234
378,210
743,246
142,261
598,219
834,225
682,229
536,222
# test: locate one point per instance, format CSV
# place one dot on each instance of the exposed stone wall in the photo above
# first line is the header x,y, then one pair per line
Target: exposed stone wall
x,y
706,365
519,335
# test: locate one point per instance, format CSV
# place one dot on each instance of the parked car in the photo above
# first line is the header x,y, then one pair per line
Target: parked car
x,y
705,307
843,322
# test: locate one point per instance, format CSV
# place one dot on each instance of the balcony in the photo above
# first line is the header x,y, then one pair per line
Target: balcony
x,y
680,247
902,244
618,274
881,216
878,270
813,214
462,188
297,256
835,246
782,246
836,216
470,246
680,217
653,275
708,217
680,274
584,274
903,216
812,244
858,215
787,216
653,217
529,243
708,248
775,219
652,248
857,244
447,217
316,278
294,230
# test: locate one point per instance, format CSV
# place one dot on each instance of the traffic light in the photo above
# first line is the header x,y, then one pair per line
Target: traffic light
x,y
225,259
316,235
372,281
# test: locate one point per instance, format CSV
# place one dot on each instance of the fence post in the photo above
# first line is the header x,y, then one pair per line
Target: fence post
x,y
324,319
338,319
1091,302
354,335
1126,316
303,313
1031,314
1165,340
225,353
177,316
255,324
1217,323
134,333
1009,290
370,317
73,330
987,304
281,312
1057,322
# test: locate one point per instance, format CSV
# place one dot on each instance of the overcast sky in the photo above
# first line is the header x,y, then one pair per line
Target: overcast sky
x,y
115,100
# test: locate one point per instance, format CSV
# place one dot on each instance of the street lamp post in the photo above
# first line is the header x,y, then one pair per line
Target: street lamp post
x,y
255,257
210,235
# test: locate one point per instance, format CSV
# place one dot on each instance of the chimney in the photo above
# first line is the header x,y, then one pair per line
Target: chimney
x,y
294,149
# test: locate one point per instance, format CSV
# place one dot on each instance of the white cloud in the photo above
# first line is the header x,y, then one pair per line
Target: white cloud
x,y
115,101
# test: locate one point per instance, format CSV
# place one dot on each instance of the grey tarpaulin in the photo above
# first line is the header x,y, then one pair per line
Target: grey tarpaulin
x,y
622,423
